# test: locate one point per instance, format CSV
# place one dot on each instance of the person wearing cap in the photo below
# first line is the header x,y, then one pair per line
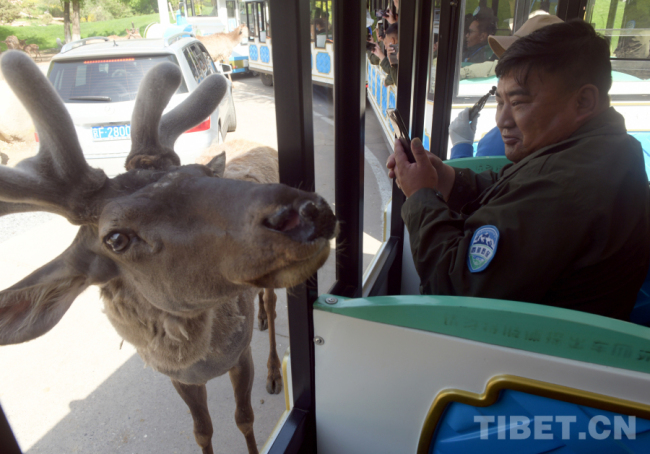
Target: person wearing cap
x,y
462,130
566,224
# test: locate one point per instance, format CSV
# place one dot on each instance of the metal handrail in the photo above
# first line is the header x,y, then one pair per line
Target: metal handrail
x,y
81,42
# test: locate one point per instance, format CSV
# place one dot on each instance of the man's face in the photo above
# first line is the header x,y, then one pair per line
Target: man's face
x,y
474,35
530,117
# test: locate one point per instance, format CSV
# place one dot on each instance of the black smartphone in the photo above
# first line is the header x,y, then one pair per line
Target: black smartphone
x,y
381,33
476,108
370,47
402,133
392,58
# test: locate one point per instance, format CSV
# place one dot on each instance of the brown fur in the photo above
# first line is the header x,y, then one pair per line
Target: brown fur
x,y
221,45
246,160
32,50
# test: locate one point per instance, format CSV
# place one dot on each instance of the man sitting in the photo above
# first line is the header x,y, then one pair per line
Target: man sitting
x,y
568,224
481,26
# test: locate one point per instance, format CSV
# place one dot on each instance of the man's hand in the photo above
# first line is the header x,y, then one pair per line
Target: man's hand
x,y
391,18
412,177
444,174
378,52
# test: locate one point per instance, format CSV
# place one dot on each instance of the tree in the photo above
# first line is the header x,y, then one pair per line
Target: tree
x,y
76,19
66,21
9,11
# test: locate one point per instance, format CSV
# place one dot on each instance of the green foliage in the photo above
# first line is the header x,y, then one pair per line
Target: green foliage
x,y
142,6
103,10
45,37
8,11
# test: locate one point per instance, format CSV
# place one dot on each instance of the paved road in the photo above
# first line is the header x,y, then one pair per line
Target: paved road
x,y
76,390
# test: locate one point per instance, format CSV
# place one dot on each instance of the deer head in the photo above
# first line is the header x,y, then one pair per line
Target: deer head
x,y
179,237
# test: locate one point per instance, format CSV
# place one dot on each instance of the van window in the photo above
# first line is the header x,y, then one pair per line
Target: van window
x,y
104,79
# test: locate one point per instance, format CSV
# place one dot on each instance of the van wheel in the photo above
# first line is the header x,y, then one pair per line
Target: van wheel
x,y
267,79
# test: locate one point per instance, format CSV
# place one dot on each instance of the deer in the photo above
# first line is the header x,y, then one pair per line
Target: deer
x,y
221,45
13,42
179,252
132,32
32,50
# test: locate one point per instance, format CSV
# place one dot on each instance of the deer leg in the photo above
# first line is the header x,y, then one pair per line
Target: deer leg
x,y
241,377
196,398
262,321
274,377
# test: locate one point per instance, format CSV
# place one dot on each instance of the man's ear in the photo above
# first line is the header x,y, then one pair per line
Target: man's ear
x,y
35,305
588,102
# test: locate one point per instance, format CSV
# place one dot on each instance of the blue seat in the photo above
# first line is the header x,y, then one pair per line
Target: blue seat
x,y
641,312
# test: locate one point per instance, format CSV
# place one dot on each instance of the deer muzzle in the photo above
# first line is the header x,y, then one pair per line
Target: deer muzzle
x,y
308,221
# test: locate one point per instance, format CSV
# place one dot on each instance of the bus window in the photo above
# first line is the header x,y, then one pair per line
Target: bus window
x,y
321,28
231,8
627,27
256,20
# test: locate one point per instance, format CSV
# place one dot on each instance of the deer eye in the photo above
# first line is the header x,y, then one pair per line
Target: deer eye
x,y
117,241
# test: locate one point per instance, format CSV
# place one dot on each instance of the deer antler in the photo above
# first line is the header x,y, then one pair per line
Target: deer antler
x,y
152,137
58,178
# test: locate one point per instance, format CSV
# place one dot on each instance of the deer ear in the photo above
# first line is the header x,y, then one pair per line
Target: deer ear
x,y
218,164
35,305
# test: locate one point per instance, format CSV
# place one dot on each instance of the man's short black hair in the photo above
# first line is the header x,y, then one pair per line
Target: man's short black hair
x,y
571,49
392,29
486,21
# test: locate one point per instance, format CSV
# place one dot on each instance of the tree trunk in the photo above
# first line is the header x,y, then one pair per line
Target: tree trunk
x,y
66,22
76,29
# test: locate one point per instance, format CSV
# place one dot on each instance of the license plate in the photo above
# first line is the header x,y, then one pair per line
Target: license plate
x,y
112,132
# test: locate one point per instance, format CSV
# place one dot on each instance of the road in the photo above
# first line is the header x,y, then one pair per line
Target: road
x,y
78,390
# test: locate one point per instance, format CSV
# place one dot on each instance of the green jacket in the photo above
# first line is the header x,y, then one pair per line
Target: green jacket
x,y
390,70
573,221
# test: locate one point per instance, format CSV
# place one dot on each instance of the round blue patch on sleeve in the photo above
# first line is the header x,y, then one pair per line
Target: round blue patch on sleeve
x,y
482,248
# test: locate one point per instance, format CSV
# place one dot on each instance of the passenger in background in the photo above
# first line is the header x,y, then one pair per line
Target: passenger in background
x,y
462,130
389,68
393,18
481,26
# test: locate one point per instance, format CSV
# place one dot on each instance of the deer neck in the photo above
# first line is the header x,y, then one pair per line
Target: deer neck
x,y
172,342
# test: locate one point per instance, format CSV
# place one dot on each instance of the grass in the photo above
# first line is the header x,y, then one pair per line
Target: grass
x,y
45,36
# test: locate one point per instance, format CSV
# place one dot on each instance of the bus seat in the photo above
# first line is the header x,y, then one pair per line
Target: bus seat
x,y
480,164
641,312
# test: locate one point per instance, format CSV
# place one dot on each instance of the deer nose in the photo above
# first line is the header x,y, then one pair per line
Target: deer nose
x,y
283,220
309,221
308,210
